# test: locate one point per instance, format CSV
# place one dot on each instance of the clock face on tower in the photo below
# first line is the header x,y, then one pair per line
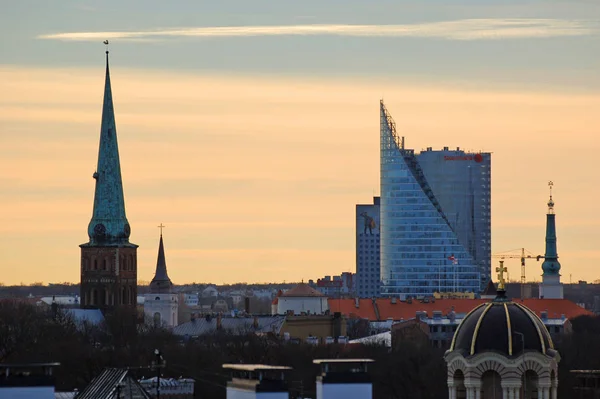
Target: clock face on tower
x,y
127,230
99,230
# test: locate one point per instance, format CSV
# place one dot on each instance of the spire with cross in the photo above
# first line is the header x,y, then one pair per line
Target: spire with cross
x,y
161,227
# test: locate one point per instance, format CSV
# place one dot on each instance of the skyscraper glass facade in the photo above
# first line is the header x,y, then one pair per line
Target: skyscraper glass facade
x,y
425,247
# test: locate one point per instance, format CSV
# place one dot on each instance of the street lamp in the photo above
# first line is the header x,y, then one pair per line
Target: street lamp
x,y
524,370
158,363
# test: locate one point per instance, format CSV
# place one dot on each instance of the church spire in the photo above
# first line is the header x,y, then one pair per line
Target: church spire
x,y
109,224
161,282
551,266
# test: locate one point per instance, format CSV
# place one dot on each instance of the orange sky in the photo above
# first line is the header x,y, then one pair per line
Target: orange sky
x,y
256,178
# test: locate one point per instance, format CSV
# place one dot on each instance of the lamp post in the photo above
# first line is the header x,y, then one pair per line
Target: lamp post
x,y
158,363
524,370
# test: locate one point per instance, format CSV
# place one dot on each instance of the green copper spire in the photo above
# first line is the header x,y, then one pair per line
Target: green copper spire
x,y
109,224
551,266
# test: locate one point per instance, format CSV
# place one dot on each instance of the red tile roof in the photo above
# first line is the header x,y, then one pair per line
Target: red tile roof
x,y
302,290
404,310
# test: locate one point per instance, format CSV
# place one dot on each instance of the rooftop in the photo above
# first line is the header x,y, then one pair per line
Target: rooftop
x,y
302,290
384,308
254,367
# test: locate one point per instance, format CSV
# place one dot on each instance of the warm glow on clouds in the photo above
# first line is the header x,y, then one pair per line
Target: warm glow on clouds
x,y
256,178
464,29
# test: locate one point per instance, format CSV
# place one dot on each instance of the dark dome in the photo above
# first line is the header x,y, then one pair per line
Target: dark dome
x,y
495,327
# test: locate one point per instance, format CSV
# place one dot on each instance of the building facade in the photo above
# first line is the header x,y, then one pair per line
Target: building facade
x,y
108,260
368,281
426,248
335,286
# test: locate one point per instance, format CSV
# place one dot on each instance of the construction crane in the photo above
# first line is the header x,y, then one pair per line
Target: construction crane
x,y
523,256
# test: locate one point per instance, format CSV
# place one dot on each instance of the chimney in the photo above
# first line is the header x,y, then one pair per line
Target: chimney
x,y
544,315
344,378
219,322
393,300
357,303
257,381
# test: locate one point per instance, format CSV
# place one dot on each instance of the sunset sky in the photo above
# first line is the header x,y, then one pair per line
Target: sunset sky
x,y
251,128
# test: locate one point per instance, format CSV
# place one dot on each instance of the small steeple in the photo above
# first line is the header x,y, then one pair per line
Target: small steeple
x,y
551,266
161,282
109,225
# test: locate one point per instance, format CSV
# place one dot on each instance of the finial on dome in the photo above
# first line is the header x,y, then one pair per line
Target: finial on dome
x,y
501,290
551,201
106,43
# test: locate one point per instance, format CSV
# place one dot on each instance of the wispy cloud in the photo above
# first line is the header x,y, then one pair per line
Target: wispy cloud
x,y
465,29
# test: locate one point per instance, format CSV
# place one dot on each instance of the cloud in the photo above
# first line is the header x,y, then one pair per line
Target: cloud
x,y
465,29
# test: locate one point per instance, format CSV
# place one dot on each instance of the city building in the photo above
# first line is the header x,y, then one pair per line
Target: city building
x,y
368,281
435,218
551,287
302,299
161,304
502,350
108,260
336,286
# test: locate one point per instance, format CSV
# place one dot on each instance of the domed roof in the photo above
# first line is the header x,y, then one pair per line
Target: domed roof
x,y
504,327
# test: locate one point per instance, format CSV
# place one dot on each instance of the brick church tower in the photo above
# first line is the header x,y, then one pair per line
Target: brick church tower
x,y
108,260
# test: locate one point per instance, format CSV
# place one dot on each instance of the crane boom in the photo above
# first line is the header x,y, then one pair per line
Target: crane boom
x,y
522,256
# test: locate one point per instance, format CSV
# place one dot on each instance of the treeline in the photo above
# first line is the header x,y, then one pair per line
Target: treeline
x,y
416,371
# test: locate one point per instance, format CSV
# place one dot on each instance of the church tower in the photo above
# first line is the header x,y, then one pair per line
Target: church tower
x,y
161,304
108,260
551,287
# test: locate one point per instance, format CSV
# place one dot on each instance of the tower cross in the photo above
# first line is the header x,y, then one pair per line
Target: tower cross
x,y
550,184
106,43
161,227
501,271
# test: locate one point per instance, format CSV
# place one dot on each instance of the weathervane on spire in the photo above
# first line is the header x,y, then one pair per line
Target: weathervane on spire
x,y
551,202
106,43
161,227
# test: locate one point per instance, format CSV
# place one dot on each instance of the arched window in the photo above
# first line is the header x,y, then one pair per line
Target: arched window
x,y
459,383
156,319
529,385
95,264
123,296
490,385
94,301
132,298
105,264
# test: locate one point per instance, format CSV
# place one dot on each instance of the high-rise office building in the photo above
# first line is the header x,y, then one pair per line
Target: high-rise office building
x,y
368,282
435,218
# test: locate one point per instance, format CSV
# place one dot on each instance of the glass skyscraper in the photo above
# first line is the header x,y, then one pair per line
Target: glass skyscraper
x,y
435,218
